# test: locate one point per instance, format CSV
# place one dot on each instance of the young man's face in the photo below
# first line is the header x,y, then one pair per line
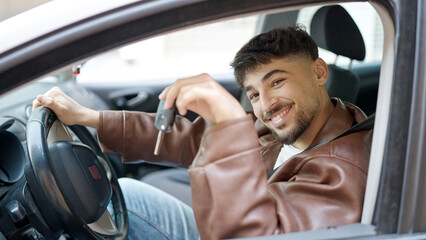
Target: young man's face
x,y
285,95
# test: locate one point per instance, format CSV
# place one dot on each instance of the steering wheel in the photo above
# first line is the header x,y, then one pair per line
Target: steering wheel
x,y
72,182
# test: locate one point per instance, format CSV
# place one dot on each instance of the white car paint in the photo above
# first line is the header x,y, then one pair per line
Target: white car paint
x,y
49,17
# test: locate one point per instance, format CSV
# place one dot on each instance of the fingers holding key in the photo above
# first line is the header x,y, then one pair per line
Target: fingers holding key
x,y
204,96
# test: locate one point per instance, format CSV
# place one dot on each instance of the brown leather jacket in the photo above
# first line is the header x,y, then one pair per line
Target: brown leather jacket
x,y
231,194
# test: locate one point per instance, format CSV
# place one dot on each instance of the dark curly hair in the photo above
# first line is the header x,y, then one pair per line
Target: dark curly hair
x,y
277,43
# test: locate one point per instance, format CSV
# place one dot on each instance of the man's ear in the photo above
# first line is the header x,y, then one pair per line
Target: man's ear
x,y
321,71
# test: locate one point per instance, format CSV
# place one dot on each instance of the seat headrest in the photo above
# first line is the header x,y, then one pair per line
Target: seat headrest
x,y
333,29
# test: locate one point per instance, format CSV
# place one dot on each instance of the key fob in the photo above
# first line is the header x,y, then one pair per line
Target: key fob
x,y
165,118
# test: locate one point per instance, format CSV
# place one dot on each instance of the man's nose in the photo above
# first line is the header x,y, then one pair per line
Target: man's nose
x,y
267,102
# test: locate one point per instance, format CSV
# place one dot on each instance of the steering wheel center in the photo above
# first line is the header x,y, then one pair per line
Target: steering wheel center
x,y
70,182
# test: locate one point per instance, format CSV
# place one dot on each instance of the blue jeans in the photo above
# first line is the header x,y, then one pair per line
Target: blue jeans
x,y
154,214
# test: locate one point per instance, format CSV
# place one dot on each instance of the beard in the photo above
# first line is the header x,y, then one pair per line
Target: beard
x,y
302,122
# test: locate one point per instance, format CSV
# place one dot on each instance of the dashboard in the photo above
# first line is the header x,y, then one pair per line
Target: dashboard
x,y
20,218
12,152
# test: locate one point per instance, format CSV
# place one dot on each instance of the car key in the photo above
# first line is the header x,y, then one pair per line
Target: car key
x,y
163,122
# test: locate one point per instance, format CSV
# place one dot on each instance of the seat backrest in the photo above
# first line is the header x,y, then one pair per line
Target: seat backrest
x,y
333,29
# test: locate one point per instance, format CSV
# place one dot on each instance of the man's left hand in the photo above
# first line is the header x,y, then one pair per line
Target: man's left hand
x,y
204,96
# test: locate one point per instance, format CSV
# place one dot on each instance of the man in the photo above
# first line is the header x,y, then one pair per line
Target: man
x,y
229,158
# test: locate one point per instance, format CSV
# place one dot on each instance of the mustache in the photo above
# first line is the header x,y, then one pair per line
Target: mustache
x,y
275,109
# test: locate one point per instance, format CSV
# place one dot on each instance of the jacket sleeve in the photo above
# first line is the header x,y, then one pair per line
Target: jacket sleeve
x,y
232,197
133,135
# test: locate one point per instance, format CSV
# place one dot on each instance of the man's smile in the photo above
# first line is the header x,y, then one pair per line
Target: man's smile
x,y
277,117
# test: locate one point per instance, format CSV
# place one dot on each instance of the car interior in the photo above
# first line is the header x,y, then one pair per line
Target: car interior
x,y
335,28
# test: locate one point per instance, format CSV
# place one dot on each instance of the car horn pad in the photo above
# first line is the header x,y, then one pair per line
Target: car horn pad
x,y
71,184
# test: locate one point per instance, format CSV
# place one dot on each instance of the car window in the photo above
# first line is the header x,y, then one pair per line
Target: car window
x,y
208,48
369,24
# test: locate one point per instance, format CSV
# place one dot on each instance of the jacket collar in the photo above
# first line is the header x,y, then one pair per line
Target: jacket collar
x,y
339,121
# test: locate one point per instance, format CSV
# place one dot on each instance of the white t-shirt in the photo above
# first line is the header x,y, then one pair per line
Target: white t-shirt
x,y
287,151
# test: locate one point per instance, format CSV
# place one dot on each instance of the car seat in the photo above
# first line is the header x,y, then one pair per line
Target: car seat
x,y
333,29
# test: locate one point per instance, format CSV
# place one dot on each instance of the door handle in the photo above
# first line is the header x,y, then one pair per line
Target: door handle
x,y
130,100
140,98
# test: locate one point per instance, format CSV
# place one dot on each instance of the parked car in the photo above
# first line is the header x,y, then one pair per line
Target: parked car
x,y
120,55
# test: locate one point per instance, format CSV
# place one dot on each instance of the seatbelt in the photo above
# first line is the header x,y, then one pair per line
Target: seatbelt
x,y
367,124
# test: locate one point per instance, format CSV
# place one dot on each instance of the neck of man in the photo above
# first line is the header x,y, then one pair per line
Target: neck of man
x,y
324,113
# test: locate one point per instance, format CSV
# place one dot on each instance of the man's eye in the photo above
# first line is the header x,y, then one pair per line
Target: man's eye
x,y
276,82
253,96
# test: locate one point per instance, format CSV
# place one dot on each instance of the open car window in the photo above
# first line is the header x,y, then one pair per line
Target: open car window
x,y
211,47
207,48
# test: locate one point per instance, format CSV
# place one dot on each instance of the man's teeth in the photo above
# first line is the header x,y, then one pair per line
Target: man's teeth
x,y
279,116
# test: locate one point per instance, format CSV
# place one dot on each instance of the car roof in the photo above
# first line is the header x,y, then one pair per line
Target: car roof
x,y
63,11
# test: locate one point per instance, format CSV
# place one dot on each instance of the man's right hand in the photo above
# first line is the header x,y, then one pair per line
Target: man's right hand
x,y
66,109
